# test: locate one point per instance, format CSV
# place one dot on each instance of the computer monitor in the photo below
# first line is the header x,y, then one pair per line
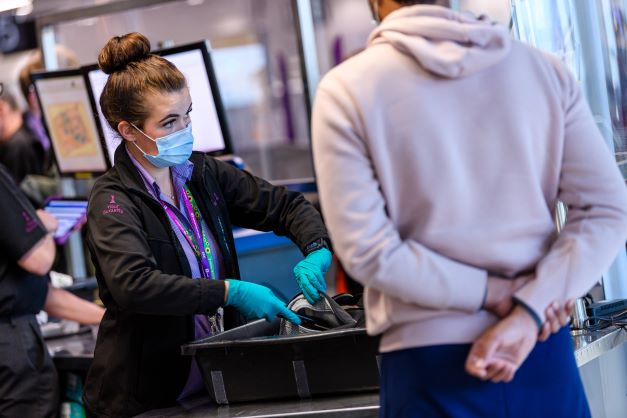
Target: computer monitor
x,y
211,134
70,122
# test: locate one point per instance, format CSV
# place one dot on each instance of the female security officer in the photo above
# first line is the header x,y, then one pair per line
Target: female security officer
x,y
159,234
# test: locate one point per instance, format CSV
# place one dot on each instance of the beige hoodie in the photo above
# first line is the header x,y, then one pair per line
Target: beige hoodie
x,y
441,151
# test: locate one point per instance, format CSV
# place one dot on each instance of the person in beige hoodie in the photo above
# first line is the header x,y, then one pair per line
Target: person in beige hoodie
x,y
440,154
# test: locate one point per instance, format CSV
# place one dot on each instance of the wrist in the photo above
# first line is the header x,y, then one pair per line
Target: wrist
x,y
526,314
317,245
491,296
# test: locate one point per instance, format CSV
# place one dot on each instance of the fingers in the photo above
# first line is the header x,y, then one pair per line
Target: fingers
x,y
557,316
506,374
498,352
320,283
290,316
313,272
564,317
481,350
321,287
545,332
278,309
500,371
310,292
493,370
556,324
309,285
553,317
307,281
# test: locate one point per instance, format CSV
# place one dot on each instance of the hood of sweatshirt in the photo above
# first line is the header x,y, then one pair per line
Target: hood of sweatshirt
x,y
444,42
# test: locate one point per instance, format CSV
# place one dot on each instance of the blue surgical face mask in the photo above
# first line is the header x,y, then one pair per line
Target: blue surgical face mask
x,y
173,149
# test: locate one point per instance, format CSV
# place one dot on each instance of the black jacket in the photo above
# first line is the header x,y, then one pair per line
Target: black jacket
x,y
144,277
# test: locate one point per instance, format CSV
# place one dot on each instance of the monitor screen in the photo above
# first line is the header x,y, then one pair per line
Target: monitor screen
x,y
69,119
208,121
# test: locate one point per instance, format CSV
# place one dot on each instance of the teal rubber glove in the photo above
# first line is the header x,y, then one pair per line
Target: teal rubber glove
x,y
256,301
310,273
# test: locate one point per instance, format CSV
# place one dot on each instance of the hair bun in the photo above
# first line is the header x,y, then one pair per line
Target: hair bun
x,y
122,50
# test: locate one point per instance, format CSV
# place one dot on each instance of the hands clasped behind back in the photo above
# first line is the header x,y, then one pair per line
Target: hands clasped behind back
x,y
498,353
499,301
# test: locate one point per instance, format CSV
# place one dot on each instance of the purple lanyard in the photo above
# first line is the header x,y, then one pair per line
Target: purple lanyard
x,y
207,268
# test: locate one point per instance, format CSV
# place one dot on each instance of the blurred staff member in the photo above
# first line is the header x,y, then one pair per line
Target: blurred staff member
x,y
28,380
159,231
20,150
33,117
441,152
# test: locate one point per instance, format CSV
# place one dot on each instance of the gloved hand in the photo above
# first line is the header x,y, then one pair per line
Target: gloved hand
x,y
310,274
256,301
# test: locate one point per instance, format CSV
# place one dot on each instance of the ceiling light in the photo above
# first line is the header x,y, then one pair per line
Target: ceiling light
x,y
13,4
24,11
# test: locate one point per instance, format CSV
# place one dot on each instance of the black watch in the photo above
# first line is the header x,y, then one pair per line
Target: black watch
x,y
316,245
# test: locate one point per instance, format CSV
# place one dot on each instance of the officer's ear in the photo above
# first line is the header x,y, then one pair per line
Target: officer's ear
x,y
127,131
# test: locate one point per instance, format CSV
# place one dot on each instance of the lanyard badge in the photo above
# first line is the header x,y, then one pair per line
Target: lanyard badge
x,y
204,256
197,236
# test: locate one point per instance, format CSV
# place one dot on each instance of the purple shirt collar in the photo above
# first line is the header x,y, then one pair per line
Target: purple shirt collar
x,y
181,174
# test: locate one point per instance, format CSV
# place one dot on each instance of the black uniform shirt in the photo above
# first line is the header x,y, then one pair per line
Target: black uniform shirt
x,y
21,292
23,154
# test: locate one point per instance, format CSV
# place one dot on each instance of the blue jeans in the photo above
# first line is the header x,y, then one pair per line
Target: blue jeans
x,y
429,382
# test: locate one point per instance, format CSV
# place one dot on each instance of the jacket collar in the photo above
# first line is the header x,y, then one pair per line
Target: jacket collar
x,y
198,159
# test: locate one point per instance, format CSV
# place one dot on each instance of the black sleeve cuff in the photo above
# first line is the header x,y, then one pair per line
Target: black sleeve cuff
x,y
211,295
533,313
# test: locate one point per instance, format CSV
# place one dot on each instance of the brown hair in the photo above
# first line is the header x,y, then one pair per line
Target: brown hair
x,y
65,57
25,76
133,74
